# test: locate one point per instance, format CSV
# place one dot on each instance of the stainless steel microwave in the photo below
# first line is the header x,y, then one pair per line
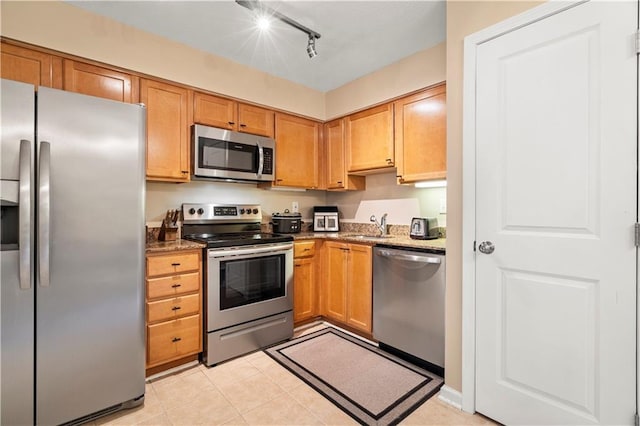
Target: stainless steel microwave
x,y
233,156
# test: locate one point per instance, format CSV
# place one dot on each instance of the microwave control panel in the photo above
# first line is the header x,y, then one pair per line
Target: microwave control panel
x,y
268,161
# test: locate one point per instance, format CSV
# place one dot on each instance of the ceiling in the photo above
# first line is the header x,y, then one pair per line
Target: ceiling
x,y
357,37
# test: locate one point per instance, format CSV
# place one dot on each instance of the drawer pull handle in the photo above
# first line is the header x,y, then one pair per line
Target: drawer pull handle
x,y
176,285
176,339
243,125
175,264
175,308
307,249
231,123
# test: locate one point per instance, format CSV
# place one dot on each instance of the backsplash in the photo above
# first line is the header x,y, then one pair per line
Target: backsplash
x,y
307,226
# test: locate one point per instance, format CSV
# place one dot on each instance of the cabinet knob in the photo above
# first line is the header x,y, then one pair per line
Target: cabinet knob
x,y
389,161
176,339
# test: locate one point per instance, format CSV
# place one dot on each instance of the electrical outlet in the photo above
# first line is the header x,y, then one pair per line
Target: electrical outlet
x,y
443,205
294,207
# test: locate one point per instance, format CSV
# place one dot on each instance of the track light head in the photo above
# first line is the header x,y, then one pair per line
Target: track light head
x,y
311,46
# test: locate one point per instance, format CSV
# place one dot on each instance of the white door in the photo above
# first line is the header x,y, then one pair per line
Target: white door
x,y
556,195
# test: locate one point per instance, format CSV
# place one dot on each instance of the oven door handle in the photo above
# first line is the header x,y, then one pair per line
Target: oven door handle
x,y
248,252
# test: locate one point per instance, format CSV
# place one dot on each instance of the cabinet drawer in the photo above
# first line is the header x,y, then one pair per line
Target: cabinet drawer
x,y
304,248
171,264
173,285
173,308
173,339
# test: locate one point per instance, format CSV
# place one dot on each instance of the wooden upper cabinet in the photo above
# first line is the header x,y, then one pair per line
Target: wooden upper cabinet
x,y
297,142
337,176
369,140
30,66
228,114
214,111
421,135
168,121
100,82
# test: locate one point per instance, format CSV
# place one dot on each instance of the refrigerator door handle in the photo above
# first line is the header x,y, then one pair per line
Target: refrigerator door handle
x,y
44,211
24,214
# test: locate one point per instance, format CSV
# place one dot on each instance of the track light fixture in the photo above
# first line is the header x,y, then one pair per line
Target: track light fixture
x,y
255,5
311,46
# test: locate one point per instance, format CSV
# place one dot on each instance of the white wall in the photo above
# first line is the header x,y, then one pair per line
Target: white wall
x,y
164,196
383,187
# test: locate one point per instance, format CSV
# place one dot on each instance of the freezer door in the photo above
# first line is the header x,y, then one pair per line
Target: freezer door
x,y
17,297
90,336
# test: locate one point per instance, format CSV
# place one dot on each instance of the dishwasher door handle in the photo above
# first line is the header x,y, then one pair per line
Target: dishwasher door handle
x,y
408,257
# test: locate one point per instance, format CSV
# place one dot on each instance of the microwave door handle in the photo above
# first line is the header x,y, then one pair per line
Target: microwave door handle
x,y
260,160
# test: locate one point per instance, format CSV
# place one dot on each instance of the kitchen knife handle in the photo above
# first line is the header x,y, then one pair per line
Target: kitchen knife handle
x,y
25,216
44,213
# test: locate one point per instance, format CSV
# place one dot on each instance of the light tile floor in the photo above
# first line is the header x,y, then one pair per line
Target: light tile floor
x,y
255,390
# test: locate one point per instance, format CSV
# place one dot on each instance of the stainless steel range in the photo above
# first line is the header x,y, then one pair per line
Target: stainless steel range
x,y
248,279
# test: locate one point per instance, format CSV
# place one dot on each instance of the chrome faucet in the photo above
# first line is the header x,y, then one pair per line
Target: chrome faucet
x,y
382,226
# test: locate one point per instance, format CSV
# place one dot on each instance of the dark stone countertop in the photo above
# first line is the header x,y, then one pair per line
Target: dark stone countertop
x,y
163,246
403,241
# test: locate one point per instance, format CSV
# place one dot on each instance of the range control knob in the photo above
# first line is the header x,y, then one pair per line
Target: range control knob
x,y
241,211
255,211
200,210
192,211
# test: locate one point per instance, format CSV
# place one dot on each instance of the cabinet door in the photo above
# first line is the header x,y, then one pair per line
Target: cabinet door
x,y
337,177
100,82
256,120
30,66
335,300
214,111
421,135
297,142
359,287
167,130
370,139
304,289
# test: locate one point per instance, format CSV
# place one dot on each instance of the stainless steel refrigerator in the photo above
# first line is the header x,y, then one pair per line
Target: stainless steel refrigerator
x,y
72,230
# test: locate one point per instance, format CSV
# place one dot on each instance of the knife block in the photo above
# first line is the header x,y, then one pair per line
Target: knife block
x,y
167,232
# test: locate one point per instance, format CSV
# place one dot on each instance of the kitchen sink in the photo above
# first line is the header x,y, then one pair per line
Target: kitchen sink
x,y
367,236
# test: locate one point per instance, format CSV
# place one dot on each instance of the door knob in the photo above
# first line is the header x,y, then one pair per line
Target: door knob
x,y
486,247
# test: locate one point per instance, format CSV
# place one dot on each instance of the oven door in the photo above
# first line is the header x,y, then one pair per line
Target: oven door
x,y
247,283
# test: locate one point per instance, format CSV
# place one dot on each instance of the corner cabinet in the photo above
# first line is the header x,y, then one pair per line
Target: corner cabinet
x,y
421,135
168,140
369,140
228,114
297,152
348,294
305,289
173,302
337,177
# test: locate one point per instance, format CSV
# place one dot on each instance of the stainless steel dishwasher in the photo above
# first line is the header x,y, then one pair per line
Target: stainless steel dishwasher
x,y
408,304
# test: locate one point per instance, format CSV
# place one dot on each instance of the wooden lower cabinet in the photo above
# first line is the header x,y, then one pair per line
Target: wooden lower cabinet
x,y
174,306
170,340
305,289
347,295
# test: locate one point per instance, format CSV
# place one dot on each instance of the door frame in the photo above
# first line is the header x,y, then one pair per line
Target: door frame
x,y
471,44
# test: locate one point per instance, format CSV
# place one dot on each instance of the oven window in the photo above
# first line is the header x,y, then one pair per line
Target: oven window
x,y
223,155
247,281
